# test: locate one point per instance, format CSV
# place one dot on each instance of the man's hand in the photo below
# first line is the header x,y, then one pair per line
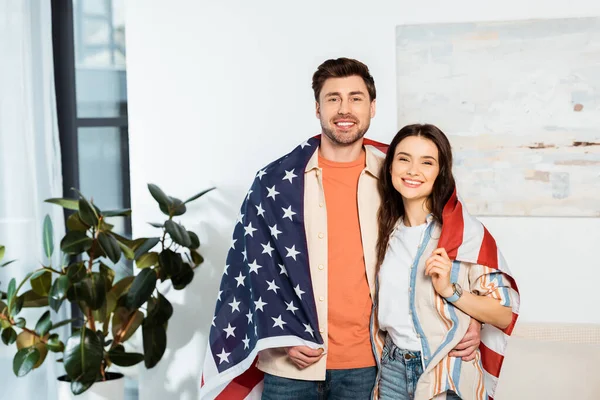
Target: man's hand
x,y
468,345
303,356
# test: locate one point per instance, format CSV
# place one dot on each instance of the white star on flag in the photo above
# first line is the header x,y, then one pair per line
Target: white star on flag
x,y
267,248
274,232
292,252
283,270
309,330
240,279
289,175
260,304
260,174
249,316
233,244
303,145
220,293
278,322
245,254
254,267
272,192
246,343
225,271
272,286
259,210
249,230
213,322
235,305
223,356
249,193
240,218
288,213
291,307
299,292
229,330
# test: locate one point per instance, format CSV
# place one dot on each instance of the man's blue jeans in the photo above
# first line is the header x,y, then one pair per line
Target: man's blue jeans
x,y
339,384
400,371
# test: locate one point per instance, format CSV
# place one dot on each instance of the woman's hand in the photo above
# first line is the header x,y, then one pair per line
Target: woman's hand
x,y
439,268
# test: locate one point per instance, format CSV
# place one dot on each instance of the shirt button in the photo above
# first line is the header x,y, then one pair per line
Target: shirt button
x,y
320,204
321,298
321,330
321,235
321,266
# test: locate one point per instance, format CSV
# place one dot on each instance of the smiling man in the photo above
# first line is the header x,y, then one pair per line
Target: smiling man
x,y
309,296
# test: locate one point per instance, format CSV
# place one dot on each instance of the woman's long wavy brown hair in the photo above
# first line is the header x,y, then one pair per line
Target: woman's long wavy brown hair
x,y
392,207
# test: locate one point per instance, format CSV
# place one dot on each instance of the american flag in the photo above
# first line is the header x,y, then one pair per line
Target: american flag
x,y
468,240
265,299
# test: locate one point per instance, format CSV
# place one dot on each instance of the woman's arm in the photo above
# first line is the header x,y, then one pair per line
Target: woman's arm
x,y
484,308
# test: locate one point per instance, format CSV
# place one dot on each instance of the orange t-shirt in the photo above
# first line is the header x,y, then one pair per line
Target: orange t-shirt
x,y
349,299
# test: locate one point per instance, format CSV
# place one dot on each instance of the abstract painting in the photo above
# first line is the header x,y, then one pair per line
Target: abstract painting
x,y
520,102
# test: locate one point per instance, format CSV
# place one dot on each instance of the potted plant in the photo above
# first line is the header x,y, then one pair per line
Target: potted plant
x,y
111,311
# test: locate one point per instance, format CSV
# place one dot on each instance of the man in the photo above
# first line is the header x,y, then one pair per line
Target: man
x,y
332,199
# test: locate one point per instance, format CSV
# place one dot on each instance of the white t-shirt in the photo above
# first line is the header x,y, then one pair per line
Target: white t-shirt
x,y
394,281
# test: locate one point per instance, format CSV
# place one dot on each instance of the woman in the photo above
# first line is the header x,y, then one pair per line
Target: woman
x,y
426,298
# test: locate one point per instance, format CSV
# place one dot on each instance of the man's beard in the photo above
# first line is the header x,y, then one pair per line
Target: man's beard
x,y
344,140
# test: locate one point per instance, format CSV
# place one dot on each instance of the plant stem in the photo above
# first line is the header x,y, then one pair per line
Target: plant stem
x,y
12,322
121,332
95,235
91,320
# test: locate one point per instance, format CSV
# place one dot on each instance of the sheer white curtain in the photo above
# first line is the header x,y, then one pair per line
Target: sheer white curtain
x,y
30,169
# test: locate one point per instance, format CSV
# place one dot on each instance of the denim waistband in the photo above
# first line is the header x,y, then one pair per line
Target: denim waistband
x,y
395,353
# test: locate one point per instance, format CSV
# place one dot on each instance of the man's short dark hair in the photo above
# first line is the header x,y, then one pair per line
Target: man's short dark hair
x,y
342,68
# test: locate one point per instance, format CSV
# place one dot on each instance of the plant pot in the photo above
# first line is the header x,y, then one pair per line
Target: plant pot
x,y
111,389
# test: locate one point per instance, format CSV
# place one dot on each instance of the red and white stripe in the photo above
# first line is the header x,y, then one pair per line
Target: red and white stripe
x,y
467,240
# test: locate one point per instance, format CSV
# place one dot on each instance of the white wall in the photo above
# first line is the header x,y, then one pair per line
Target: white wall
x,y
217,89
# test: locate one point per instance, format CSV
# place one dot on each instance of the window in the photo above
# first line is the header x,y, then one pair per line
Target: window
x,y
91,95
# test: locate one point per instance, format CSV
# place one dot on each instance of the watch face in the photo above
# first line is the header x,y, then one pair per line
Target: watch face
x,y
458,289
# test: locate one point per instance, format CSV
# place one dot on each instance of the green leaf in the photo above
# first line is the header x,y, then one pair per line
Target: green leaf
x,y
197,258
48,238
44,324
156,224
199,195
141,289
155,343
17,305
54,344
58,292
74,223
108,274
20,323
41,283
162,199
122,286
110,246
78,387
24,361
160,310
118,357
63,323
147,260
183,277
170,262
195,240
31,299
70,204
87,213
117,213
129,254
2,251
146,246
178,233
177,207
83,356
9,336
124,319
11,291
7,263
91,290
2,307
76,272
75,242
